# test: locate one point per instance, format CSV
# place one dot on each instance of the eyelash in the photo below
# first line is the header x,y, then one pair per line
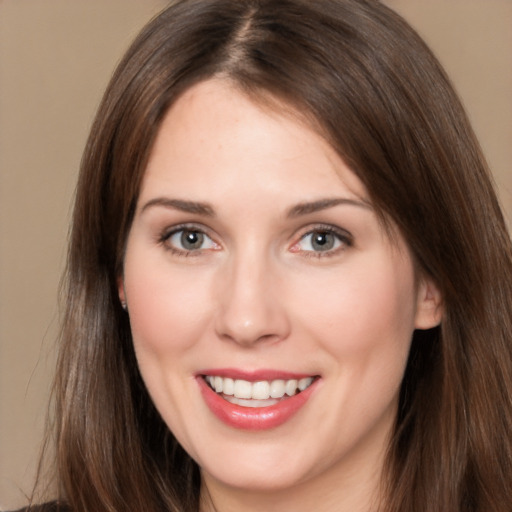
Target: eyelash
x,y
344,238
167,234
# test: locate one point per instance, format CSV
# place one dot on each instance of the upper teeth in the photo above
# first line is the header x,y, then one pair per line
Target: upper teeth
x,y
261,390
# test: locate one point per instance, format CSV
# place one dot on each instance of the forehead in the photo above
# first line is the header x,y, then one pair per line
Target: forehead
x,y
215,135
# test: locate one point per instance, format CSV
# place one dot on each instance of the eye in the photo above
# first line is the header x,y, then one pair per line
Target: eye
x,y
186,240
322,240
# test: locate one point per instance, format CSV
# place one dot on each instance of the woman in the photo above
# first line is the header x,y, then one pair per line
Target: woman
x,y
289,280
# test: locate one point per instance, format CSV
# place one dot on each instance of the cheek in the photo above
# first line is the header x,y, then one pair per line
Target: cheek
x,y
168,309
367,308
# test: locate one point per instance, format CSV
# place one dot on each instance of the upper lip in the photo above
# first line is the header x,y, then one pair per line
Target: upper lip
x,y
254,375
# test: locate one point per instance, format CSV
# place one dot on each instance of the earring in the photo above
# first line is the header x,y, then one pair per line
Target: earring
x,y
124,305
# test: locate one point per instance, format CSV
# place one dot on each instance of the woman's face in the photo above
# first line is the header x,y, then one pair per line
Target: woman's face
x,y
256,264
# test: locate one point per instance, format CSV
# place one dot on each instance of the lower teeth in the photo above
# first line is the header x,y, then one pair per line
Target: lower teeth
x,y
251,402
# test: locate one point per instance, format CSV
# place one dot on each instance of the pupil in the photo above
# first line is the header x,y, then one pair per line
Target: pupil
x,y
191,240
322,241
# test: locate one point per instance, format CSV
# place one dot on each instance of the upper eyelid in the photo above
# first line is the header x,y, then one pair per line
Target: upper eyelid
x,y
164,237
328,228
193,226
345,239
299,234
190,226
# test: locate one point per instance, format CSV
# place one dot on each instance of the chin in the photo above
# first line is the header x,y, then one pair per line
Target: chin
x,y
254,478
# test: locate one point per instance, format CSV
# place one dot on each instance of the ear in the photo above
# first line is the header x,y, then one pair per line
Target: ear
x,y
429,307
120,289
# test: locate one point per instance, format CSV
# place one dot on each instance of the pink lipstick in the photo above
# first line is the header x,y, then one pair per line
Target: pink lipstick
x,y
258,400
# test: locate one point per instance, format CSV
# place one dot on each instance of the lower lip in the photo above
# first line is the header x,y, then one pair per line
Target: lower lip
x,y
253,418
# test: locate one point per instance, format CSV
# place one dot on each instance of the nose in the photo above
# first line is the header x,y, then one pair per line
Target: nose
x,y
250,306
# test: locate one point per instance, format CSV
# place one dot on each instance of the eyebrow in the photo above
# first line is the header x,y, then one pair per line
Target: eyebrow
x,y
298,210
323,204
181,205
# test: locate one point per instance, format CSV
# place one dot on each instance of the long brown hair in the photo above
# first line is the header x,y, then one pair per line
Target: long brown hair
x,y
361,74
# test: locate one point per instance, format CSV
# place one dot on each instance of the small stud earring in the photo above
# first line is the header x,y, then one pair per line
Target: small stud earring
x,y
124,305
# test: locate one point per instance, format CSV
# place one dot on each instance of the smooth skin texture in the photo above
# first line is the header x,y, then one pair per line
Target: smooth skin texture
x,y
226,267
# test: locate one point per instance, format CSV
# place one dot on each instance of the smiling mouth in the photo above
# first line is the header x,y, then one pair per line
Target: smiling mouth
x,y
256,394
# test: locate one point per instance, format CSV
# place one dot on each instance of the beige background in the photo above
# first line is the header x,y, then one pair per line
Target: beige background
x,y
55,59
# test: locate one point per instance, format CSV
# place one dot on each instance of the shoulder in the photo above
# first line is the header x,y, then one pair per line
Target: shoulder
x,y
54,506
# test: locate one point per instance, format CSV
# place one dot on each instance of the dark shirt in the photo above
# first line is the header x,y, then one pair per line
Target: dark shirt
x,y
46,507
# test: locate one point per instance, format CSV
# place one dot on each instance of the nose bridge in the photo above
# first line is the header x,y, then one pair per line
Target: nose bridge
x,y
249,306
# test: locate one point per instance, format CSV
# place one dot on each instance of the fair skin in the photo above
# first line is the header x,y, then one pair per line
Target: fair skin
x,y
254,249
